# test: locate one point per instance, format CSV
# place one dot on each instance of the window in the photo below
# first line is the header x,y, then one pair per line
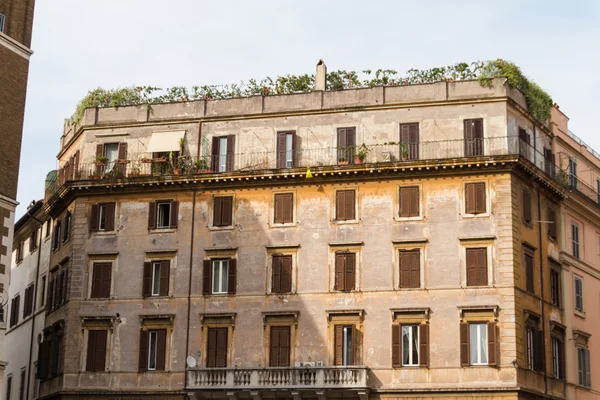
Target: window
x,y
96,351
58,288
475,198
552,228
223,149
66,228
529,271
2,24
527,206
281,281
555,284
573,173
410,340
223,211
22,385
410,269
101,280
48,227
8,381
219,276
216,348
107,156
409,141
575,239
478,344
284,208
14,310
409,202
19,255
163,214
43,291
33,240
153,345
345,271
56,236
50,352
156,278
578,293
473,135
286,149
477,269
558,357
344,344
345,204
583,367
346,145
102,217
410,345
279,346
28,306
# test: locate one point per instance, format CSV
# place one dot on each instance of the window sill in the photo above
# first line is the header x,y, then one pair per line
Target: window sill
x,y
476,216
284,225
221,228
104,233
420,218
406,289
579,313
162,230
348,222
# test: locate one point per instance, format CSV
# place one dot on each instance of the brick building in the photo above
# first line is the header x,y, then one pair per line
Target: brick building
x,y
16,20
194,254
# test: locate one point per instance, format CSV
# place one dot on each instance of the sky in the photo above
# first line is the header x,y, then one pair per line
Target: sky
x,y
81,45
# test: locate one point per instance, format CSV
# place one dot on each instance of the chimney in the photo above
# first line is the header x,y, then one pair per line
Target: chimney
x,y
321,77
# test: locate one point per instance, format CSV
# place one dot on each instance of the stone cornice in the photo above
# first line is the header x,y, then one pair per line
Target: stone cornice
x,y
15,46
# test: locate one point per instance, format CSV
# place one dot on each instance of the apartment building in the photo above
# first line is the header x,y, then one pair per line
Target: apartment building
x,y
26,293
389,242
16,19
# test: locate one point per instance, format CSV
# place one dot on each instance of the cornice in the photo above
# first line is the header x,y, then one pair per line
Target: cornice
x,y
15,46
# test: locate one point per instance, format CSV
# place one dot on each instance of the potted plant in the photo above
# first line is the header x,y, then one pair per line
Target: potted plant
x,y
342,161
146,160
361,154
135,172
181,144
562,178
404,151
101,160
201,165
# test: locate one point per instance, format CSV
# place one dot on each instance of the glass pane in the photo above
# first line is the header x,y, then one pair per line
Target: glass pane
x,y
483,344
288,151
152,351
156,279
473,333
102,218
348,359
223,154
111,151
223,279
164,215
406,345
415,345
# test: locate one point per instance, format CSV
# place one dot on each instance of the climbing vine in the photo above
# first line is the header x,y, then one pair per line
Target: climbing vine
x,y
539,102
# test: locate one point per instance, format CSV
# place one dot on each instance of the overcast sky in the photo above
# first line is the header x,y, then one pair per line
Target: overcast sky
x,y
82,44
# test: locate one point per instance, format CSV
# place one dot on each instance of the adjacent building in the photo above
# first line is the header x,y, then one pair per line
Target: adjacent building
x,y
389,242
16,19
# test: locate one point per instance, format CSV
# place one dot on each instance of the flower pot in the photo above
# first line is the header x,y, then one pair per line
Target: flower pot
x,y
161,159
342,162
357,160
176,171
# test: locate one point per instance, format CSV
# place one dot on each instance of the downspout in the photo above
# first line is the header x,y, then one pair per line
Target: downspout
x,y
189,305
35,290
543,307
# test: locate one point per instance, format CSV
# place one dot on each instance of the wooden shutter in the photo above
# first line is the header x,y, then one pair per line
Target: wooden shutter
x,y
349,271
338,344
174,214
472,267
464,345
109,225
281,156
231,278
217,211
99,154
527,206
147,280
286,274
340,205
101,279
215,154
230,153
43,360
339,271
294,149
278,212
164,278
106,279
480,205
143,359
227,211
538,350
288,208
206,275
274,347
492,344
396,346
529,273
94,218
279,349
424,345
552,229
414,201
211,348
588,370
50,301
276,274
350,208
415,269
221,357
152,215
470,198
482,269
100,351
123,151
161,349
404,269
341,141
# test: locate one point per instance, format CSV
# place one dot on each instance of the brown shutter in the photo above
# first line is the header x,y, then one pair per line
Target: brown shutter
x,y
152,215
396,346
161,349
230,153
43,360
551,222
526,206
340,205
478,129
217,211
211,348
164,278
286,274
480,206
281,156
404,203
50,301
94,218
174,214
588,369
339,271
284,346
529,273
274,347
424,345
110,217
279,209
404,269
294,149
106,279
99,153
231,278
471,267
206,275
288,208
341,139
338,344
276,274
350,205
221,348
470,199
227,211
215,154
492,343
123,151
414,201
100,351
413,146
538,350
143,359
464,345
96,280
468,135
482,270
350,271
415,269
147,280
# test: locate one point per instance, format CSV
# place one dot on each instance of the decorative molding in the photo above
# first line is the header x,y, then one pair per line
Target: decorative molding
x,y
217,249
15,46
166,318
410,241
493,308
280,314
224,316
346,244
283,246
477,238
411,310
110,134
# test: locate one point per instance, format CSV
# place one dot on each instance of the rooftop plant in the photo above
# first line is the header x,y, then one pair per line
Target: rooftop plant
x,y
539,102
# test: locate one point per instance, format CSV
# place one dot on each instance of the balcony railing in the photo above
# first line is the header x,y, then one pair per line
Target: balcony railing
x,y
278,378
143,165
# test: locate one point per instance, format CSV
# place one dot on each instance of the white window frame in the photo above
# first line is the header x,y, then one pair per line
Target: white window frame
x,y
348,346
577,279
412,329
478,341
156,266
152,333
216,278
160,205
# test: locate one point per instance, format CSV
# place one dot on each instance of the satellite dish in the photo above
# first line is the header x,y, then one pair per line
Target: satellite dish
x,y
191,361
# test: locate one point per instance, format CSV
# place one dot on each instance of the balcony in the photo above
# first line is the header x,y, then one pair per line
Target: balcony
x,y
278,378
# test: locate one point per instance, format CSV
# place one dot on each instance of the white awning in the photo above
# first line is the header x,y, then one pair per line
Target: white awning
x,y
165,141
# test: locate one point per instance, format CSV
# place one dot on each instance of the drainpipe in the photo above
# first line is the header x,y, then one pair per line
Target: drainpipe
x,y
35,290
189,305
539,204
